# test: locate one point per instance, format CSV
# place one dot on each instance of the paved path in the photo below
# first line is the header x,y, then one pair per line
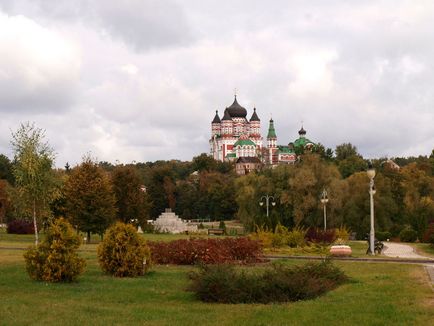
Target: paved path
x,y
399,250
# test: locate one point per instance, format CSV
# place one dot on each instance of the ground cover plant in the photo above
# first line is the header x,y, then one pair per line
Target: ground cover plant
x,y
278,283
123,252
56,258
206,251
380,294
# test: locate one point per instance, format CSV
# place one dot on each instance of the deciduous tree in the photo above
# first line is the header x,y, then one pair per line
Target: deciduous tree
x,y
132,201
33,170
90,201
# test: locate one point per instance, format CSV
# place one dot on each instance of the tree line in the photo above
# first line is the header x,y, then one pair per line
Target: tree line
x,y
92,195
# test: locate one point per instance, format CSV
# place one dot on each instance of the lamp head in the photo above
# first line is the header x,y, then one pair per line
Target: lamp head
x,y
371,171
261,203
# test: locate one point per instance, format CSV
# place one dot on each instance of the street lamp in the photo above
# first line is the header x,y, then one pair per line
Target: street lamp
x,y
267,202
371,174
324,201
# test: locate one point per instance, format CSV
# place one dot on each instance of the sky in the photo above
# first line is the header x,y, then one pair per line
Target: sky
x,y
140,80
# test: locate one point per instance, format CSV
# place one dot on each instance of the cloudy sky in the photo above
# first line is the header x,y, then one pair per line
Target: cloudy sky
x,y
138,80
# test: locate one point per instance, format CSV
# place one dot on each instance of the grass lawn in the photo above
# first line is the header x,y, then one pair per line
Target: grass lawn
x,y
424,249
379,294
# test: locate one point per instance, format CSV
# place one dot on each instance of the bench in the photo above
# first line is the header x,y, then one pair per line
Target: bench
x,y
216,231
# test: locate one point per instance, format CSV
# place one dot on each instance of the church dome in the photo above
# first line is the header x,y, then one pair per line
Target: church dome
x,y
236,110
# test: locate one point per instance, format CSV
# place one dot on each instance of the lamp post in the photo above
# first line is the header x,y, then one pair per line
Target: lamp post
x,y
267,202
371,174
324,201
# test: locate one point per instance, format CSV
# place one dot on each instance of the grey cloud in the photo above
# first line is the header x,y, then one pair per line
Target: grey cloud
x,y
141,24
369,79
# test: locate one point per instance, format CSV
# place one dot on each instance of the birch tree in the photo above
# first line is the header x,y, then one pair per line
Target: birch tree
x,y
33,169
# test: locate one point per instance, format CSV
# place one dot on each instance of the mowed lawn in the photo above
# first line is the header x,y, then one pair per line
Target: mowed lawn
x,y
378,294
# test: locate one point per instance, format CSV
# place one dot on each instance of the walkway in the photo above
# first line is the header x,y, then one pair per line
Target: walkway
x,y
399,250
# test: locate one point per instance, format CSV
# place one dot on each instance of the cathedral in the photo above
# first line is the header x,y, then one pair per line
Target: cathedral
x,y
236,138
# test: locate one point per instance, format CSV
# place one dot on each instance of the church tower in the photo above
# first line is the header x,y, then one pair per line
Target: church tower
x,y
271,144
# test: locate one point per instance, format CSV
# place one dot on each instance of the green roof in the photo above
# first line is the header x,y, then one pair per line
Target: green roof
x,y
271,131
285,149
244,142
302,142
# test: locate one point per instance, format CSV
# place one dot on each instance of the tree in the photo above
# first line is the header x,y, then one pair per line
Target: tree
x,y
90,201
345,151
6,171
33,169
418,188
349,160
131,201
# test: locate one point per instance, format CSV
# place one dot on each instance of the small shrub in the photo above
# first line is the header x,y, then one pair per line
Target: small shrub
x,y
280,236
222,226
343,233
316,235
383,236
124,253
206,251
296,237
280,283
20,227
408,235
55,259
264,236
429,234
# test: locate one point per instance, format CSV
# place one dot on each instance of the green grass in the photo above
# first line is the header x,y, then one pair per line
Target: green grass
x,y
424,249
379,294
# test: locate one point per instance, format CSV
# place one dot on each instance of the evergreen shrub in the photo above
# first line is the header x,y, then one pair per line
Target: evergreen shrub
x,y
56,259
20,227
383,236
279,283
123,252
408,235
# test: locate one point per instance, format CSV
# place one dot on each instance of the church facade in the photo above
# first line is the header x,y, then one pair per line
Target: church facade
x,y
234,137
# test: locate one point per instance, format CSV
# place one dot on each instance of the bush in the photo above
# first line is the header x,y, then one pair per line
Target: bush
x,y
316,235
296,237
20,227
123,252
280,236
383,236
206,251
343,233
428,236
226,284
408,235
222,226
55,259
264,236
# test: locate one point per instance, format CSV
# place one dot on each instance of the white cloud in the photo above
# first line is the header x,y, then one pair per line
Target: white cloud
x,y
39,69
